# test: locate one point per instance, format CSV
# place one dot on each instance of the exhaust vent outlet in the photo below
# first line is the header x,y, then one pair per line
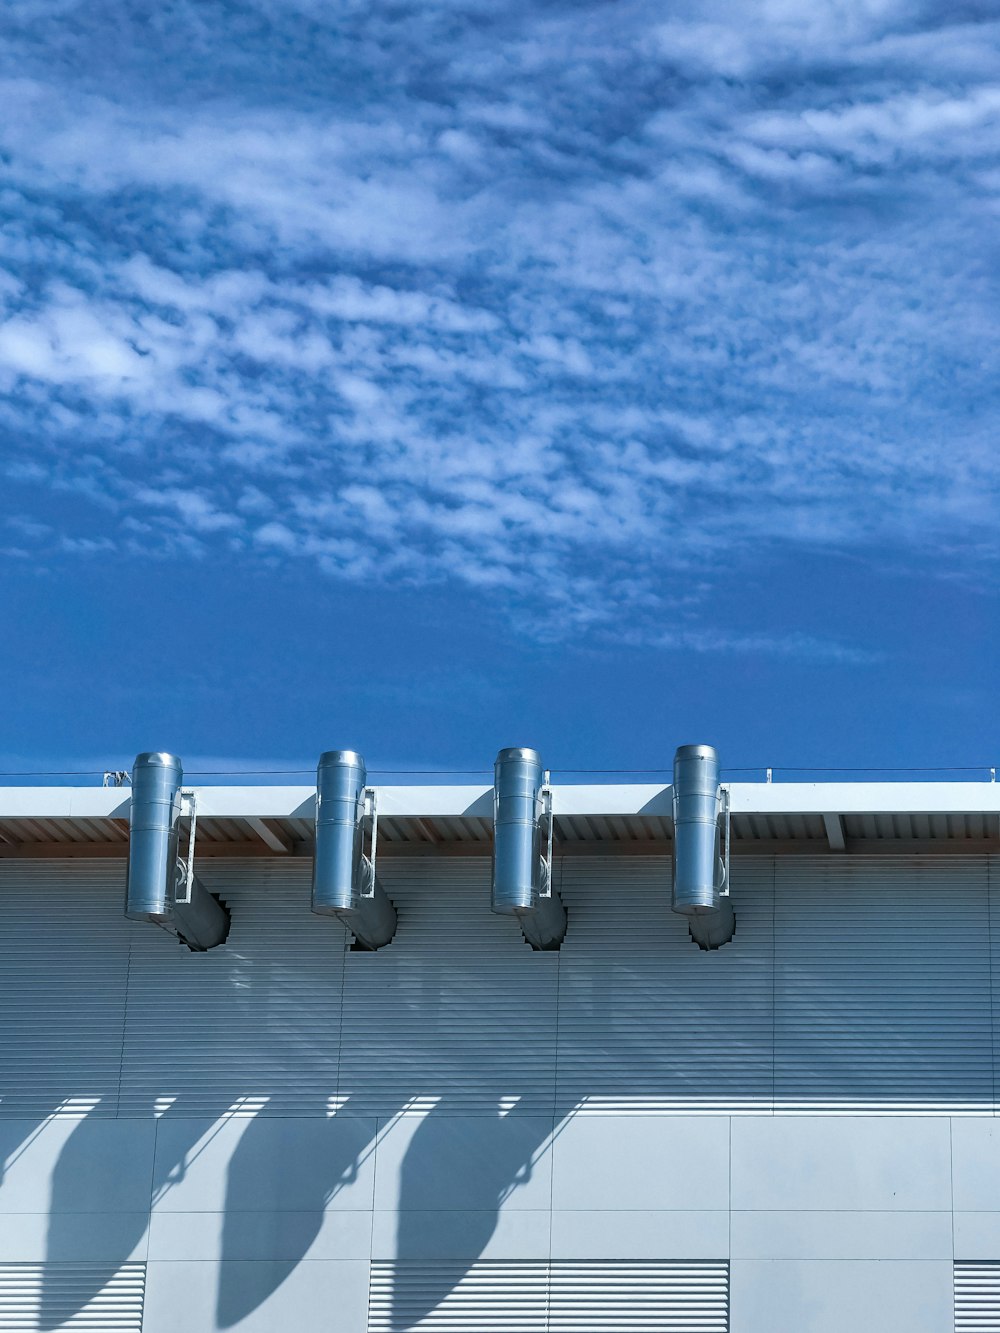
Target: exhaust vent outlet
x,y
522,876
159,887
344,883
701,846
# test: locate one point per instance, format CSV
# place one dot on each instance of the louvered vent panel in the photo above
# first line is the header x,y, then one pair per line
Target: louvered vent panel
x,y
63,965
993,879
456,1298
71,1296
639,1297
647,1020
882,985
541,1298
457,1007
253,1022
977,1297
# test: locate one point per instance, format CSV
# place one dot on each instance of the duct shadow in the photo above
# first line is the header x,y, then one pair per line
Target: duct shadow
x,y
78,1181
460,1166
284,1174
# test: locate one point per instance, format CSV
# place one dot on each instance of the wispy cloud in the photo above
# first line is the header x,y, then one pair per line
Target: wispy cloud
x,y
568,306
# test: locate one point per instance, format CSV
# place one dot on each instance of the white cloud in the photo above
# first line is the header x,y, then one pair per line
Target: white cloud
x,y
588,302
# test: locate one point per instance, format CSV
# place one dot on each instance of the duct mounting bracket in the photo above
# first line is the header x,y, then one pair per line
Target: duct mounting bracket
x,y
369,809
545,796
184,890
724,831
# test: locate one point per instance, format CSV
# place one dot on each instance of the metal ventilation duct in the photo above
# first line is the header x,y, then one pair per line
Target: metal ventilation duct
x,y
159,887
701,846
522,877
344,883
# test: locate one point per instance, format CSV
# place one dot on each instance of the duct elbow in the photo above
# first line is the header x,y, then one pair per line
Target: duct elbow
x,y
154,872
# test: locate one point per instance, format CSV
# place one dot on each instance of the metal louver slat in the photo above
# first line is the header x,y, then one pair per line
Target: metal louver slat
x,y
977,1297
623,1297
61,1295
457,1007
484,1298
63,968
271,996
882,986
648,1022
561,1297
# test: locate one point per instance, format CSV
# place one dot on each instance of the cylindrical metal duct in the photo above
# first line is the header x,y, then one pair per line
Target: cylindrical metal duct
x,y
152,850
154,871
517,842
698,872
344,884
520,884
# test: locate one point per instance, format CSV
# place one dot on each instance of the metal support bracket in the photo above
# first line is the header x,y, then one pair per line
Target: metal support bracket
x,y
545,795
369,809
724,836
190,797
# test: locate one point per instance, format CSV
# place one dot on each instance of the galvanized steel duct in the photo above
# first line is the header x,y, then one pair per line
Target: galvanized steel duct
x,y
344,883
154,871
521,875
700,883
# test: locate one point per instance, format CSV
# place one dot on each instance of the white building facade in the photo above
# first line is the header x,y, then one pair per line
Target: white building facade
x,y
796,1131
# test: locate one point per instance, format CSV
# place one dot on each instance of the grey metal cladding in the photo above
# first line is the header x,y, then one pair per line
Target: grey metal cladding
x,y
272,996
852,983
882,984
458,1007
647,1020
63,976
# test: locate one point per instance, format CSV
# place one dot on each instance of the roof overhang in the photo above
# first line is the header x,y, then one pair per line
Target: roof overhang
x,y
768,818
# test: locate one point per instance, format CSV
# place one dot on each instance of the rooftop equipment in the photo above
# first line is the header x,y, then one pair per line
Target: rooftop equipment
x,y
522,876
701,846
160,887
344,882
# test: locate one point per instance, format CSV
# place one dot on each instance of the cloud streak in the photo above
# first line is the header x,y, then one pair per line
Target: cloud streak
x,y
570,307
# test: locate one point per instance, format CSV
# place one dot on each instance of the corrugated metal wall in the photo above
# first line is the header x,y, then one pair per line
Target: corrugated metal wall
x,y
550,1298
50,1296
851,984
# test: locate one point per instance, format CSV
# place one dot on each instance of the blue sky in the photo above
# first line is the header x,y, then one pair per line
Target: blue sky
x,y
426,378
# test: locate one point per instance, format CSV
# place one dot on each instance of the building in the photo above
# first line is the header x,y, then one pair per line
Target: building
x,y
793,1131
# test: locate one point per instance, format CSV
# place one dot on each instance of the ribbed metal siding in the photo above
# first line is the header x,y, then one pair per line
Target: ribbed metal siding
x,y
63,966
647,1020
550,1298
977,1297
255,1022
458,1007
639,1297
51,1296
487,1297
882,985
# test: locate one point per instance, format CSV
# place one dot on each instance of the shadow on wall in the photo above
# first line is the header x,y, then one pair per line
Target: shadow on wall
x,y
660,1020
458,1169
103,1168
286,1172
